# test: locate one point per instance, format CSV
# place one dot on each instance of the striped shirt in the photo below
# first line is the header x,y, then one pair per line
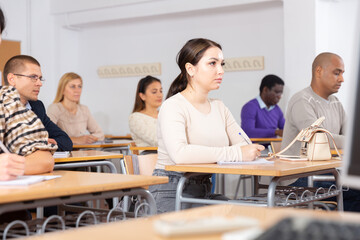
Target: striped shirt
x,y
21,131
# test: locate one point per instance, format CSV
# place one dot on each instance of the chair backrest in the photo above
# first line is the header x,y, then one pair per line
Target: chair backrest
x,y
146,164
131,145
275,146
133,149
129,167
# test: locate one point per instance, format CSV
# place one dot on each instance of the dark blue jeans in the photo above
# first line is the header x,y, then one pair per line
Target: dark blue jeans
x,y
196,187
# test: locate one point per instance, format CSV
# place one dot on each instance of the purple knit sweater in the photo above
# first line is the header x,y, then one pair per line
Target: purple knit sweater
x,y
260,123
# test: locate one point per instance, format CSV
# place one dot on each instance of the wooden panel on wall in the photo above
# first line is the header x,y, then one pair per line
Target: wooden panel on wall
x,y
8,49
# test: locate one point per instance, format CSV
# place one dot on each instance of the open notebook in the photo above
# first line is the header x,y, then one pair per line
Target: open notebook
x,y
255,162
27,180
63,154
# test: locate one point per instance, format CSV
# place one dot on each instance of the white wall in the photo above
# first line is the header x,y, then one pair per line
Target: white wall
x,y
32,23
299,44
80,37
338,33
243,31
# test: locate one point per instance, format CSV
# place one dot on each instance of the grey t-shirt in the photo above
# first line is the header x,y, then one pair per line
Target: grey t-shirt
x,y
304,108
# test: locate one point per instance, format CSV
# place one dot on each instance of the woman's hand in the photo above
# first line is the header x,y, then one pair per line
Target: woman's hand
x,y
86,139
251,152
11,166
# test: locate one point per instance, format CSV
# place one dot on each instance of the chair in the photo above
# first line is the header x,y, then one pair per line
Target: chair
x,y
144,165
137,165
133,149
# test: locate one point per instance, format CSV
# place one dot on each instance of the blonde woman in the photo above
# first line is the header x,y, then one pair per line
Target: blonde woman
x,y
71,116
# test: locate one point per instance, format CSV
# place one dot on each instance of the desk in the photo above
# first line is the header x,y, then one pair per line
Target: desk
x,y
334,152
267,140
77,187
110,136
121,145
130,229
143,148
279,171
135,150
115,143
87,158
88,155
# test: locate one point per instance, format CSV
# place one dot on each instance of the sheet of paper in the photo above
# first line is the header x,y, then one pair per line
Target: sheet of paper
x,y
244,234
294,159
255,162
61,154
27,180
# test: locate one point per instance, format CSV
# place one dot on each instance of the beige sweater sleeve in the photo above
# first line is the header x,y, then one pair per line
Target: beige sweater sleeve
x,y
173,124
143,129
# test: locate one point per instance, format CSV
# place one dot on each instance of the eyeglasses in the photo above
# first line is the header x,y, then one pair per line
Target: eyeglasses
x,y
33,78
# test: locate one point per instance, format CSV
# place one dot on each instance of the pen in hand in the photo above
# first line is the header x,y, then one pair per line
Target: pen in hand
x,y
247,140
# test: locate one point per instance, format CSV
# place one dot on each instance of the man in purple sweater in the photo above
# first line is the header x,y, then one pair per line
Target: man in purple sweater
x,y
261,117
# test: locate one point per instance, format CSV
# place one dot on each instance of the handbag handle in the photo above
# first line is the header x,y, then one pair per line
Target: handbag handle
x,y
318,122
313,128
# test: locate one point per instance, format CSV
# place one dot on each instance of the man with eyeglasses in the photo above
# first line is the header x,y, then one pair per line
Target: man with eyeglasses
x,y
23,150
24,73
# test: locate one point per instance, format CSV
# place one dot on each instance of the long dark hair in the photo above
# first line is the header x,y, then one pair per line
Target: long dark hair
x,y
141,88
191,52
2,21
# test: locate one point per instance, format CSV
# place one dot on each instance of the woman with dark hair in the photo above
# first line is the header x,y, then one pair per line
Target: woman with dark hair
x,y
193,128
2,23
143,120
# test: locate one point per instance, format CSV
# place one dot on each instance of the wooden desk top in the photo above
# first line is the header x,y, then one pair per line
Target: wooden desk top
x,y
333,151
74,183
266,139
279,168
88,155
143,148
110,136
115,143
130,229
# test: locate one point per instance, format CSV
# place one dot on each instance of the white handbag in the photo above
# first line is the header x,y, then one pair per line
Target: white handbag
x,y
315,145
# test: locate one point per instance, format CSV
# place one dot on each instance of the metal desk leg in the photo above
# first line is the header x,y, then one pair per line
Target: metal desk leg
x,y
255,188
39,215
310,184
40,212
339,198
271,192
222,190
148,197
179,191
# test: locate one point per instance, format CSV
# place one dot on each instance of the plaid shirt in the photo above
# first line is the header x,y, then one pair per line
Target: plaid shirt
x,y
21,131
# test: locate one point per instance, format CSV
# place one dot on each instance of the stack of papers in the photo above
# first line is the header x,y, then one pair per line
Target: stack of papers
x,y
27,180
61,154
255,162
